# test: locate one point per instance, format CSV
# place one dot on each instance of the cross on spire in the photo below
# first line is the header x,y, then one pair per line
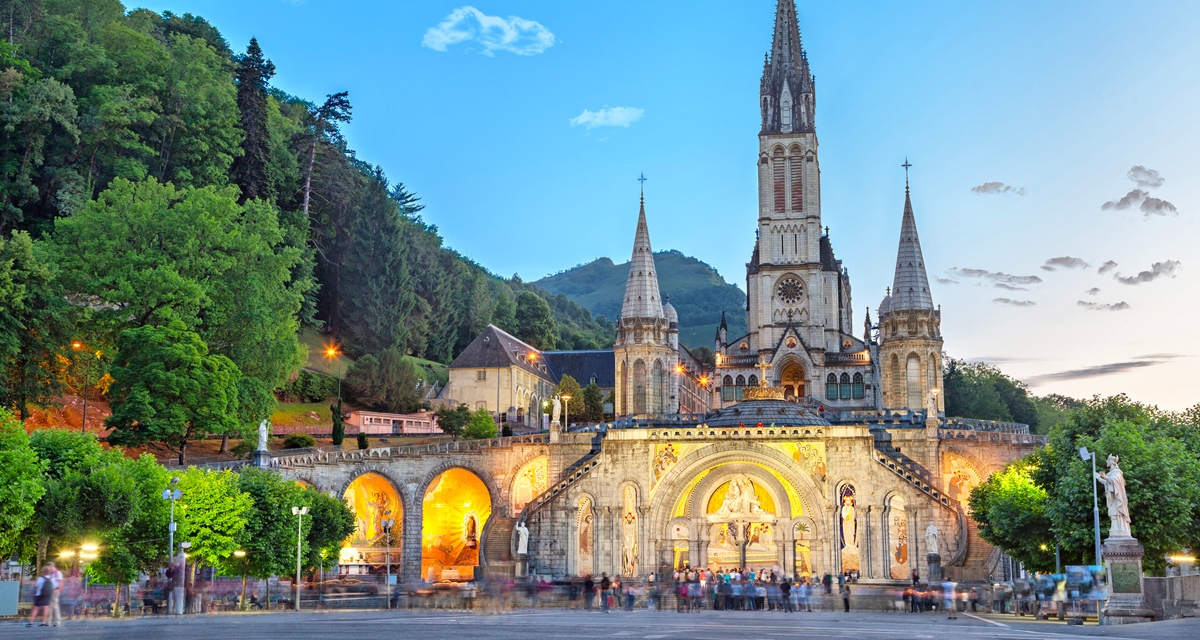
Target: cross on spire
x,y
906,166
642,179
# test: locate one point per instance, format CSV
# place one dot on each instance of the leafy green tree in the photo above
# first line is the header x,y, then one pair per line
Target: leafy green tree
x,y
331,523
131,537
453,422
387,383
212,514
253,77
981,391
324,124
1011,509
21,475
1053,410
34,323
339,427
481,426
593,402
167,389
535,323
31,118
576,407
269,536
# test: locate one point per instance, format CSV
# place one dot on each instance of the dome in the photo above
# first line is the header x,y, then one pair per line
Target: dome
x,y
672,315
885,306
775,413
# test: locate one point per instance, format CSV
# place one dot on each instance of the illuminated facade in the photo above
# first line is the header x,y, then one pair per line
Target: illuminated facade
x,y
814,458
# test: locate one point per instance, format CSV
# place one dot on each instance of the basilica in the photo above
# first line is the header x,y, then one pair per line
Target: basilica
x,y
804,449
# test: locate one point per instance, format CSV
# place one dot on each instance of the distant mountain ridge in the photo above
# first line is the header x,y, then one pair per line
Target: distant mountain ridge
x,y
698,293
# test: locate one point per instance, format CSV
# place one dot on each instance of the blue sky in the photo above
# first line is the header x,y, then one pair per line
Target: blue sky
x,y
1061,100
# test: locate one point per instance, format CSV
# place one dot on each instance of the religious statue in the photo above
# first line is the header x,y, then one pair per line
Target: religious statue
x,y
262,435
557,410
522,539
740,498
931,539
849,524
471,532
1118,501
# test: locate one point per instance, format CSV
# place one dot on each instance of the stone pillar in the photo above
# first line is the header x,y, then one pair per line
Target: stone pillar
x,y
865,565
410,555
934,569
1126,603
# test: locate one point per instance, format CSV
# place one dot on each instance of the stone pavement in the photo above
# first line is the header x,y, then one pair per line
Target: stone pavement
x,y
525,624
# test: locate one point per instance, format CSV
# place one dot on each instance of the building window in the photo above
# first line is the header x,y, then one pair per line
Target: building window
x,y
859,392
797,184
780,188
846,392
481,374
752,381
831,387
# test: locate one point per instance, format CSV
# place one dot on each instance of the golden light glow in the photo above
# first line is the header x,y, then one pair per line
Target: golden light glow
x,y
66,554
566,397
1182,558
704,381
370,496
239,554
456,509
77,345
331,352
718,497
89,547
678,368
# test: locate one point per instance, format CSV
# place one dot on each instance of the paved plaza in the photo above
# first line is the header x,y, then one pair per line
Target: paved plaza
x,y
578,624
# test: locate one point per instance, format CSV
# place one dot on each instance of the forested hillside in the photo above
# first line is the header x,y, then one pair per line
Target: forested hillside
x,y
697,292
152,176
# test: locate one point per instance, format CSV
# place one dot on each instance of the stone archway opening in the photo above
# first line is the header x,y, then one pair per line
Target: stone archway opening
x,y
455,510
378,531
792,380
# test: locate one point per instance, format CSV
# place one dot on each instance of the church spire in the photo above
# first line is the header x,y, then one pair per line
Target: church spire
x,y
786,92
642,299
910,287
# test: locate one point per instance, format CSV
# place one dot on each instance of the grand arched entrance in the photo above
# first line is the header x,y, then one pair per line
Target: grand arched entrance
x,y
792,381
378,512
455,510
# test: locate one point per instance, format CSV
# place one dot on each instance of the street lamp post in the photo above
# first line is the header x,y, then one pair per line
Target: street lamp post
x,y
566,411
172,495
331,353
387,531
87,365
299,512
1091,455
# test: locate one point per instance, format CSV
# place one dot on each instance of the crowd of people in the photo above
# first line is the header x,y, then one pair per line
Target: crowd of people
x,y
691,590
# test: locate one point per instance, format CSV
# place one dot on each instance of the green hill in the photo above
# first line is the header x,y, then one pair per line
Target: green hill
x,y
697,292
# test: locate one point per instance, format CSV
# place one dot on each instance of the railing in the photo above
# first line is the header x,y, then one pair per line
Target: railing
x,y
913,477
946,433
570,476
984,425
314,457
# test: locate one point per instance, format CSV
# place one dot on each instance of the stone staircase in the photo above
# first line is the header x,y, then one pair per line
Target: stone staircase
x,y
918,476
497,548
572,474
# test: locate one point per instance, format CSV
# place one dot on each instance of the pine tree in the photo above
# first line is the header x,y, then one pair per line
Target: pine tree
x,y
253,76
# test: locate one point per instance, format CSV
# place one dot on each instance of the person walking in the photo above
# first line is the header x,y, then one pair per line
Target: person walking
x,y
948,595
605,588
973,598
41,598
845,589
589,592
785,595
828,582
55,612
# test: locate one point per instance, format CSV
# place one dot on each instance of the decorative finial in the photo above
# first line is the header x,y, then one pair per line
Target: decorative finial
x,y
826,231
642,180
906,166
889,291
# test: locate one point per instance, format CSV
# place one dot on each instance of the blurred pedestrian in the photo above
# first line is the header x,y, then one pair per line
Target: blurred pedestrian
x,y
846,597
42,592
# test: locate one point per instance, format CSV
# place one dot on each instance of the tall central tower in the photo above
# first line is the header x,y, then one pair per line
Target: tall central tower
x,y
797,293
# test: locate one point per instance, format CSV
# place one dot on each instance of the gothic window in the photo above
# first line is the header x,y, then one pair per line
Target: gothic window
x,y
785,116
859,392
727,390
912,367
656,399
639,387
623,393
831,387
797,178
779,167
741,381
752,381
846,391
931,373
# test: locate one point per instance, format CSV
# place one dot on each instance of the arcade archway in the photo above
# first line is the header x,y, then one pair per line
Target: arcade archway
x,y
374,501
455,510
792,380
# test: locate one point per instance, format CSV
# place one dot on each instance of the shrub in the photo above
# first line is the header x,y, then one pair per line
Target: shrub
x,y
243,449
298,441
310,386
362,440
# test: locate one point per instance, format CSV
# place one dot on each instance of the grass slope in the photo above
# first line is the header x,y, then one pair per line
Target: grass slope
x,y
697,292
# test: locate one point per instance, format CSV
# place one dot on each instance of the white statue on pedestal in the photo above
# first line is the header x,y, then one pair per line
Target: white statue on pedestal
x,y
931,539
262,435
522,539
557,411
1118,501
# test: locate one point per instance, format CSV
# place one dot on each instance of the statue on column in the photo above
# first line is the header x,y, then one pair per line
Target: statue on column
x,y
1118,501
557,410
931,539
262,435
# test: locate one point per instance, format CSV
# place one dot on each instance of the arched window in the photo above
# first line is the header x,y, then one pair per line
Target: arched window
x,y
741,381
752,381
859,392
895,385
621,396
931,373
656,399
779,166
797,177
785,115
639,387
912,367
739,388
831,387
845,386
728,393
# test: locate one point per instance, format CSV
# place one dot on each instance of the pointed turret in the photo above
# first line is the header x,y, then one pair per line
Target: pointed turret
x,y
787,87
642,299
910,286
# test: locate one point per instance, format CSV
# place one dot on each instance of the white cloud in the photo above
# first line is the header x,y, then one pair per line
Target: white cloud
x,y
468,24
1145,177
608,117
990,188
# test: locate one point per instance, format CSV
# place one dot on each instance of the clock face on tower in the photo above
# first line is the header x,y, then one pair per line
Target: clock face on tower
x,y
790,290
